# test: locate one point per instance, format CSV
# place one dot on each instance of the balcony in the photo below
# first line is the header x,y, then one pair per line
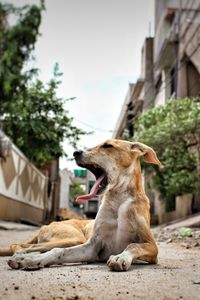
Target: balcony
x,y
166,39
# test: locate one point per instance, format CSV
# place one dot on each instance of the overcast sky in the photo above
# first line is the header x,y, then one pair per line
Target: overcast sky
x,y
97,44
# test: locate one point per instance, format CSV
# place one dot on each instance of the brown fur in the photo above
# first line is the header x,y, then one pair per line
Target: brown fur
x,y
121,232
55,235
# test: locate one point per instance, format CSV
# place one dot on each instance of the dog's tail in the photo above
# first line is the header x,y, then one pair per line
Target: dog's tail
x,y
6,252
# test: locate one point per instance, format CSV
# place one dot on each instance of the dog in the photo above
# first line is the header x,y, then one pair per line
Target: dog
x,y
121,231
55,235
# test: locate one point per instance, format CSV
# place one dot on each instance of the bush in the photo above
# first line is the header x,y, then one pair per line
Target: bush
x,y
173,131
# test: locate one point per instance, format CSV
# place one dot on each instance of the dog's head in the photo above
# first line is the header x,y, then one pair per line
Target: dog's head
x,y
109,160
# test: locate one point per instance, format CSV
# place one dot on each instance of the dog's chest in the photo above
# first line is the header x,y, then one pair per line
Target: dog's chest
x,y
117,231
124,230
125,226
124,209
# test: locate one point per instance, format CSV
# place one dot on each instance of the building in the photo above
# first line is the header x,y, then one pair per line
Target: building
x,y
66,179
170,69
86,179
91,206
140,95
170,62
176,49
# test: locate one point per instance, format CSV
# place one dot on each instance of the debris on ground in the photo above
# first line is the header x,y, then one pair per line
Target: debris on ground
x,y
176,276
185,232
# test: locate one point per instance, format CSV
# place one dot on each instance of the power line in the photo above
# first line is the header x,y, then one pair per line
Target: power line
x,y
151,87
93,127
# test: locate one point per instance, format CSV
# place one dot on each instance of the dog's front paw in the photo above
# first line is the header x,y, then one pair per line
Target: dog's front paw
x,y
25,261
121,262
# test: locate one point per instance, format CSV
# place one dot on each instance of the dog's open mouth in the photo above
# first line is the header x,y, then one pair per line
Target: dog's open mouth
x,y
100,184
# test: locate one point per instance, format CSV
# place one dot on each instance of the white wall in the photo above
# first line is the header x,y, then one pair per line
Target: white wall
x,y
65,182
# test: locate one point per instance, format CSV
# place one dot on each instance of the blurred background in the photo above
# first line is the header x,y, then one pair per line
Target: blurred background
x,y
75,73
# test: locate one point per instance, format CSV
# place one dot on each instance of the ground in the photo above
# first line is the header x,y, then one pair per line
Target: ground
x,y
176,276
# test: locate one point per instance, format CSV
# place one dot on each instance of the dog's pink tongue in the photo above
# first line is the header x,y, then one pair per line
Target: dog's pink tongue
x,y
93,191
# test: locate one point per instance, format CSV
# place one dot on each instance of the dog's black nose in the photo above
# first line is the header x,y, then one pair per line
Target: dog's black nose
x,y
77,153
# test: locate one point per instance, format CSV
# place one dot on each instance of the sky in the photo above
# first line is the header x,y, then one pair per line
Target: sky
x,y
97,44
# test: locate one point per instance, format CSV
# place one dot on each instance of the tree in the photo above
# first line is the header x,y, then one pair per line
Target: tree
x,y
75,191
40,122
173,131
16,45
31,113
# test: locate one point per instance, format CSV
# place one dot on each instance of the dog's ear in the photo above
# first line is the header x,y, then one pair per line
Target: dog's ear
x,y
147,152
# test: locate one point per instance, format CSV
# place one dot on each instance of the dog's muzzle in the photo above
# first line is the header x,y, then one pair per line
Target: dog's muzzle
x,y
99,173
77,154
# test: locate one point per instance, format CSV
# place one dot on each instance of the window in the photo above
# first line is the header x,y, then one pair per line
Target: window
x,y
173,83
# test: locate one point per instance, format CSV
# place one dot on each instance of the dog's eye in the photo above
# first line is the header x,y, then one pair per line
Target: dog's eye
x,y
107,146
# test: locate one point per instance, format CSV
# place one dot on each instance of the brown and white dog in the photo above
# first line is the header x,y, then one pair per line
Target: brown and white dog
x,y
121,231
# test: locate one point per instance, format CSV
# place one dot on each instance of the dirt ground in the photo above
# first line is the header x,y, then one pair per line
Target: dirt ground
x,y
177,275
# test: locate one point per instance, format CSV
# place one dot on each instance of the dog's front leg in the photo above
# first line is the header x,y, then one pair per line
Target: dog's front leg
x,y
87,252
144,251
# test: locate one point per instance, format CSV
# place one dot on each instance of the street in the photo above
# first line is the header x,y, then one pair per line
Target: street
x,y
100,116
175,277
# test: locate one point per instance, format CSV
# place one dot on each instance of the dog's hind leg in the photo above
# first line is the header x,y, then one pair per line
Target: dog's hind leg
x,y
18,246
43,247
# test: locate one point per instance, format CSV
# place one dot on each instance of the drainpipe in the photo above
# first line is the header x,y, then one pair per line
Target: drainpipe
x,y
177,50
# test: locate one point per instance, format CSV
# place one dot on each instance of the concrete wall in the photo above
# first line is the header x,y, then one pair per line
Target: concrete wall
x,y
183,209
23,188
13,210
183,205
